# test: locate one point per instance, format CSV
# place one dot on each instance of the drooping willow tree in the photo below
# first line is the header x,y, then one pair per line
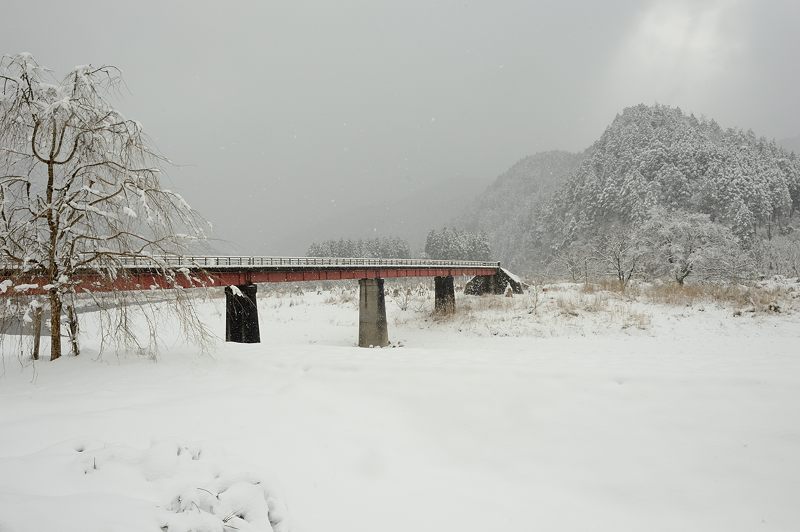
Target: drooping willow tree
x,y
80,191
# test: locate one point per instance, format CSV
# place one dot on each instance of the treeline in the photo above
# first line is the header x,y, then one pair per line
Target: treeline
x,y
382,247
445,243
456,244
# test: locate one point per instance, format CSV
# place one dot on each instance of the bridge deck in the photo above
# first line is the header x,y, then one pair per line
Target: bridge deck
x,y
148,273
305,262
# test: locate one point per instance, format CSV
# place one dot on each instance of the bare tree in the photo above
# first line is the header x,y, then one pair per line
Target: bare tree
x,y
619,250
79,187
684,243
577,258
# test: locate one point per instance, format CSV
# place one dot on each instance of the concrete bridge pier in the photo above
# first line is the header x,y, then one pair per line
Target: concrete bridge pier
x,y
241,314
445,295
372,328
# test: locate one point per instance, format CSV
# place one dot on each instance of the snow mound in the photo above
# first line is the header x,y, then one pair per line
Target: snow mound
x,y
238,502
92,487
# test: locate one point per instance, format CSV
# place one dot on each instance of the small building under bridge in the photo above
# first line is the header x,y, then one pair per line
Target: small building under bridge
x,y
497,283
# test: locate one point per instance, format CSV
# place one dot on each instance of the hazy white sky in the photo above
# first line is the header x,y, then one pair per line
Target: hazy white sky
x,y
286,116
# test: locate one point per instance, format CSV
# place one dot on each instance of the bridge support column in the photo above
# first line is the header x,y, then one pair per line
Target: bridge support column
x,y
241,314
372,328
445,295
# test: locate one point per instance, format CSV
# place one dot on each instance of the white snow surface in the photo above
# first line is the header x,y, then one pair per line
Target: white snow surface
x,y
4,285
626,416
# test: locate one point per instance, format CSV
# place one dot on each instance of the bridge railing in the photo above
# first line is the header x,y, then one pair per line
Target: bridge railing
x,y
224,261
195,261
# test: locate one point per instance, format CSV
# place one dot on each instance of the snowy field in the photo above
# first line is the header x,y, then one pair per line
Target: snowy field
x,y
573,412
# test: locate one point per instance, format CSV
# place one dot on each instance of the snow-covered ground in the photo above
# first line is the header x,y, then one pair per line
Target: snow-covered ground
x,y
589,412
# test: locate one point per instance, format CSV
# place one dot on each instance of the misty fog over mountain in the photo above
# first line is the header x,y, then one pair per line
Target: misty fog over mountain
x,y
286,118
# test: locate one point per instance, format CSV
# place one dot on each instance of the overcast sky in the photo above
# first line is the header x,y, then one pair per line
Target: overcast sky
x,y
285,115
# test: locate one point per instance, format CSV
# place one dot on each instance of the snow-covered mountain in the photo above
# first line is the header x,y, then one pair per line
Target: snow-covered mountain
x,y
657,156
649,156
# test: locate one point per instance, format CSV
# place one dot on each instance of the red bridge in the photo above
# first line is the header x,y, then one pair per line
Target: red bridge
x,y
229,271
239,276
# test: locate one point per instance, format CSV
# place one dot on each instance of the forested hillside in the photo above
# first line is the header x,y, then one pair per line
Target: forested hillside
x,y
510,209
659,186
657,156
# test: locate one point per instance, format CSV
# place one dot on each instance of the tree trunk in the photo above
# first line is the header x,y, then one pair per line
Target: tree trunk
x,y
683,273
55,297
37,331
72,319
55,324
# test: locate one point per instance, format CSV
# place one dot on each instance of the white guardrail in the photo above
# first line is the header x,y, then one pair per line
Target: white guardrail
x,y
305,262
203,262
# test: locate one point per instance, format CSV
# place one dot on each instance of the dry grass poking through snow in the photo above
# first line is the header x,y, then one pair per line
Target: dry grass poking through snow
x,y
757,298
570,309
765,296
608,307
543,311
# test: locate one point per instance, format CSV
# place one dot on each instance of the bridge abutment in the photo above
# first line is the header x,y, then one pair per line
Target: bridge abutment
x,y
445,295
241,314
372,328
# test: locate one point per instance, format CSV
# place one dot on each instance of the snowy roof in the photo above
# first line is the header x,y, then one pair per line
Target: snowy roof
x,y
511,276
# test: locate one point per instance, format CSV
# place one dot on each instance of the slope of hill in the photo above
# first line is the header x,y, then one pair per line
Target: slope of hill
x,y
510,208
